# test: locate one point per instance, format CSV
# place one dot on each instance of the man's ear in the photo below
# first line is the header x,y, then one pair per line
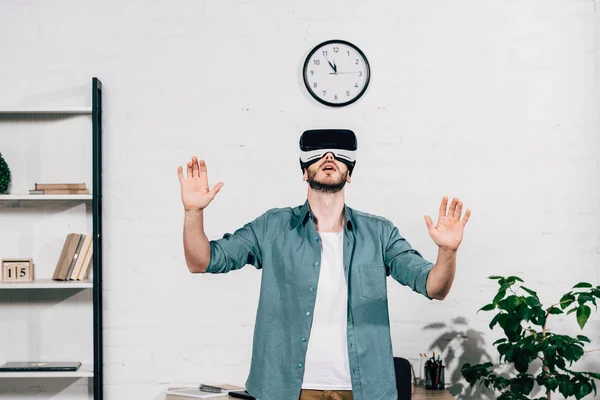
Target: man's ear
x,y
304,176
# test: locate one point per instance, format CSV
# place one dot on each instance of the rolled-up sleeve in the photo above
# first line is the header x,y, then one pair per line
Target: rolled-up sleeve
x,y
406,264
235,250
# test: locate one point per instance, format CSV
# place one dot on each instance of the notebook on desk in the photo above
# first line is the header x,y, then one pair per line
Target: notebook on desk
x,y
39,366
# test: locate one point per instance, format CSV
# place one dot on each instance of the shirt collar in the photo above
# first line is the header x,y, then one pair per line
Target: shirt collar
x,y
305,213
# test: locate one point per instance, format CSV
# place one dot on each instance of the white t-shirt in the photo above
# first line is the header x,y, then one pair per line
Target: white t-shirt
x,y
326,365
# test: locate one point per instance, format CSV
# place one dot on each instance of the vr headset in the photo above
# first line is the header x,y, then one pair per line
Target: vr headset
x,y
315,143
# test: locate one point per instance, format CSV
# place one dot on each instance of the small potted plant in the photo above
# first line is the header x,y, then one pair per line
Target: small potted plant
x,y
523,320
4,175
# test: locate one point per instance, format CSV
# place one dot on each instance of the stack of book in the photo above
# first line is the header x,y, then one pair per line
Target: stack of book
x,y
59,188
75,259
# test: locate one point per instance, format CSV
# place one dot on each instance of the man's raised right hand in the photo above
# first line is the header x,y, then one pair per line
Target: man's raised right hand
x,y
195,193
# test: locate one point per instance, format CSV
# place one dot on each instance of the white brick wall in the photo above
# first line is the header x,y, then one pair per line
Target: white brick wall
x,y
492,101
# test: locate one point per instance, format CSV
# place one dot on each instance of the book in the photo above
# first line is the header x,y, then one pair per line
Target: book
x,y
63,255
59,191
75,256
85,247
52,186
65,262
87,264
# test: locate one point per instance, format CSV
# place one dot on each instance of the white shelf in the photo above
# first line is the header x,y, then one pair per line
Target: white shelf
x,y
46,284
85,371
45,197
63,111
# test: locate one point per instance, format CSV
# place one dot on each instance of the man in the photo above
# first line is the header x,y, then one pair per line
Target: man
x,y
322,325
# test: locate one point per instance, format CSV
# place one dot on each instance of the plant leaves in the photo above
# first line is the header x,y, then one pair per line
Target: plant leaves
x,y
583,313
583,338
495,320
583,285
566,300
495,277
585,297
487,307
515,278
594,374
531,292
499,296
555,310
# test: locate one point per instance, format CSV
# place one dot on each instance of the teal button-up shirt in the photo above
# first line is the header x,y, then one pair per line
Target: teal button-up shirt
x,y
285,244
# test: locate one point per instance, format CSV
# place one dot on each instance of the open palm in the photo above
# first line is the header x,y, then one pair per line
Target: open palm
x,y
448,232
195,192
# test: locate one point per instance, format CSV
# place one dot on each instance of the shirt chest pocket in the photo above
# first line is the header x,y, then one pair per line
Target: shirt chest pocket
x,y
372,281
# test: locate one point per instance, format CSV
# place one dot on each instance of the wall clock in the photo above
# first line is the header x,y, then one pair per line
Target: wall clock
x,y
336,73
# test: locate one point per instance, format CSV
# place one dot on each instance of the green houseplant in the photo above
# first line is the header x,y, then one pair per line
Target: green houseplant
x,y
523,320
4,175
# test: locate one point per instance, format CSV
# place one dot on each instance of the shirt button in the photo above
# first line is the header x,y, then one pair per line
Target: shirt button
x,y
316,263
317,238
303,339
308,313
299,365
312,288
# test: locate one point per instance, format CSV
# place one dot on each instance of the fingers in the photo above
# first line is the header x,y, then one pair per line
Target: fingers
x,y
216,189
180,174
189,170
196,167
455,209
203,173
443,206
466,217
458,210
452,208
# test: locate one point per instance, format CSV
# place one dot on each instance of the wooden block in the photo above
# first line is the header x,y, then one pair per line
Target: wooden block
x,y
9,272
17,269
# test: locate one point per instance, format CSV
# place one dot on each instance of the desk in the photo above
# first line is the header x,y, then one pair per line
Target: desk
x,y
420,394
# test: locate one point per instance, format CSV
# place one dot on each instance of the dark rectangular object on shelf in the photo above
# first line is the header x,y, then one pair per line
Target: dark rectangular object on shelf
x,y
39,366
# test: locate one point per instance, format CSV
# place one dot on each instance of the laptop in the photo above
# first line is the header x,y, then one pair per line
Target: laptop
x,y
37,366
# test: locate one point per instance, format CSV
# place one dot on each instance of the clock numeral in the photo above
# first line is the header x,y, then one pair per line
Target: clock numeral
x,y
324,92
335,97
356,84
336,49
324,52
347,93
359,73
312,71
356,61
348,52
314,84
317,62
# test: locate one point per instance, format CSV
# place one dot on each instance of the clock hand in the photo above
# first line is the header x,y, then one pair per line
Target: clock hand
x,y
338,73
332,66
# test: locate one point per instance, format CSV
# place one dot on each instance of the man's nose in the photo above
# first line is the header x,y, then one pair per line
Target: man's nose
x,y
329,156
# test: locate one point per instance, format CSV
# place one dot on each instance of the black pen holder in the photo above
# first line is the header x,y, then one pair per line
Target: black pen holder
x,y
434,376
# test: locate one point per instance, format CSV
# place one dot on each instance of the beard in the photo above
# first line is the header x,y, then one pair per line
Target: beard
x,y
325,187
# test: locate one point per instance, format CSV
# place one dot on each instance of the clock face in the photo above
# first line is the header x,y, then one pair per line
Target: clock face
x,y
336,73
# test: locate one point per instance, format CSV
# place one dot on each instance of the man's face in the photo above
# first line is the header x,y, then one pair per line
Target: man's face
x,y
327,175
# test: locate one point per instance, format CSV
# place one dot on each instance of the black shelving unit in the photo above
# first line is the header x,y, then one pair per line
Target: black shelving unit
x,y
97,233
